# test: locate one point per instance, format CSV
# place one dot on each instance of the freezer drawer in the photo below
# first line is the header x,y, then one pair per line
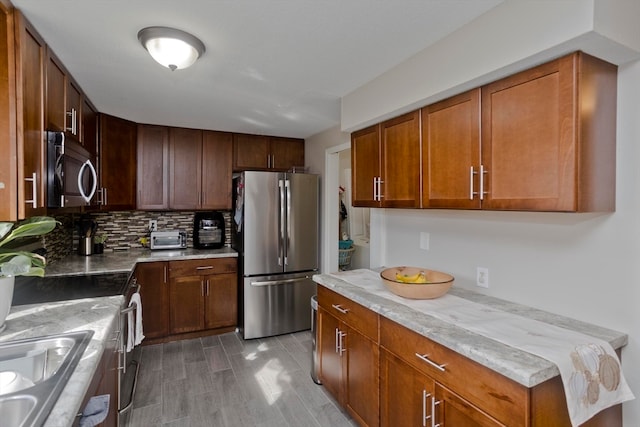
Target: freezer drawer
x,y
275,305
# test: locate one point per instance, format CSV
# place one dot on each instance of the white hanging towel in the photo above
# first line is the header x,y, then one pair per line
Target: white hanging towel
x,y
135,334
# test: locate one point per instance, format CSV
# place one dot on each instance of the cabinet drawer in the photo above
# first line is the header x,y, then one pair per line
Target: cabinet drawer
x,y
202,267
349,312
499,396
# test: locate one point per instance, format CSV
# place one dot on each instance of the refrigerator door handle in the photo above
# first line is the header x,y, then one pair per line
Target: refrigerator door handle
x,y
281,223
279,282
287,185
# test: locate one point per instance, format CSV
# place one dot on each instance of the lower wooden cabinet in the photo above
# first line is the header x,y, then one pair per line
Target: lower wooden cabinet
x,y
153,278
385,374
202,294
408,397
349,355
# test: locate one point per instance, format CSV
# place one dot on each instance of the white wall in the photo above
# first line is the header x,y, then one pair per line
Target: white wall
x,y
586,266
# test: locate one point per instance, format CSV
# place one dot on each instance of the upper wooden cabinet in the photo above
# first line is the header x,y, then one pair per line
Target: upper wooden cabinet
x,y
386,163
540,140
31,151
365,166
451,152
63,99
117,165
199,169
89,128
153,167
8,164
217,175
548,137
257,152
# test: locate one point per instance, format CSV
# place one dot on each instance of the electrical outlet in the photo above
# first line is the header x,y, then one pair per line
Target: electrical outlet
x,y
482,277
153,225
424,240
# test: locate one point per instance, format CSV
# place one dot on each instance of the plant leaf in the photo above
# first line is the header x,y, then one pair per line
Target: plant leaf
x,y
4,228
16,266
34,226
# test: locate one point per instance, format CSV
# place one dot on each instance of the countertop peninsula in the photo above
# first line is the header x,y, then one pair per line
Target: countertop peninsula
x,y
518,365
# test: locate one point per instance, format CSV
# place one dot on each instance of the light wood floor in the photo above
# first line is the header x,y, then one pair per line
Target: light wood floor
x,y
226,381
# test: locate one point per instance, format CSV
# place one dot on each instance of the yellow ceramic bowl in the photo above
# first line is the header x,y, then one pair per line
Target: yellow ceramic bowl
x,y
438,283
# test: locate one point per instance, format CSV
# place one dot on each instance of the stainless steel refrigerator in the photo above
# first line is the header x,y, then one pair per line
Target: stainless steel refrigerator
x,y
276,233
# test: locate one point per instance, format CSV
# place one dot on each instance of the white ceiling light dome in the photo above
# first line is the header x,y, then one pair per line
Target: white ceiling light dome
x,y
174,49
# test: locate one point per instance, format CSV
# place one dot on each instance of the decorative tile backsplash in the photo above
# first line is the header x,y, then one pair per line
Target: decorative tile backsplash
x,y
123,229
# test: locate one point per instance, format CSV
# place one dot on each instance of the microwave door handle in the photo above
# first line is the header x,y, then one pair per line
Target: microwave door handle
x,y
85,165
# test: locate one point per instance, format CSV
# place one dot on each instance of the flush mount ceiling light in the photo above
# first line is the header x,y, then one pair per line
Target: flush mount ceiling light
x,y
171,48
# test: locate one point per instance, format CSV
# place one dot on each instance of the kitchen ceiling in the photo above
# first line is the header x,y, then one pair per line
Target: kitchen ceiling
x,y
274,67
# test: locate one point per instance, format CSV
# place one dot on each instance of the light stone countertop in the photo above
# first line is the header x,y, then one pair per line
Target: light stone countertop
x,y
124,261
523,367
100,315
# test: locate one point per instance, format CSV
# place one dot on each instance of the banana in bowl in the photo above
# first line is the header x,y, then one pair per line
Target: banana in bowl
x,y
416,282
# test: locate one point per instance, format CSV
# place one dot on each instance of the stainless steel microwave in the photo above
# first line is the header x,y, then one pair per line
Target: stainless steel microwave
x,y
71,177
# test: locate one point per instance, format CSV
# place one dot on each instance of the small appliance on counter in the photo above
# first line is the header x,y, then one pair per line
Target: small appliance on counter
x,y
208,230
168,240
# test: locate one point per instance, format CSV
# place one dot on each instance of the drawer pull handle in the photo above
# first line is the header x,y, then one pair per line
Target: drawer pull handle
x,y
208,267
425,358
340,309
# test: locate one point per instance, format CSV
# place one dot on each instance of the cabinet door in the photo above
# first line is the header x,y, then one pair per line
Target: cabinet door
x,y
400,161
153,167
365,166
286,153
221,301
452,410
451,152
330,359
30,60
250,152
117,162
187,304
56,93
8,164
217,159
360,376
529,139
405,394
153,280
185,169
89,128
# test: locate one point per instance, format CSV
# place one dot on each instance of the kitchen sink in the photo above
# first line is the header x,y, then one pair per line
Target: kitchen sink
x,y
33,373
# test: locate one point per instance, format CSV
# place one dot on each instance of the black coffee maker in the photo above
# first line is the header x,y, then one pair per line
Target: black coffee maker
x,y
208,230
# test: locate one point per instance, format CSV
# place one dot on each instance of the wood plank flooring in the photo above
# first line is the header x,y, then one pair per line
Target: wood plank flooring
x,y
226,381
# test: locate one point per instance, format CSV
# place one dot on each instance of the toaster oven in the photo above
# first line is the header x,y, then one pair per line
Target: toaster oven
x,y
168,240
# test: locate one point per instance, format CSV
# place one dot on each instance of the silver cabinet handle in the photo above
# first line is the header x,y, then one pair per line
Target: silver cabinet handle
x,y
207,267
482,173
375,188
337,341
73,114
34,190
425,358
425,417
433,412
380,182
340,309
471,192
342,349
207,287
165,273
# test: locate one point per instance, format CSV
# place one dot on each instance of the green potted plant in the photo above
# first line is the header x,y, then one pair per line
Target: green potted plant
x,y
98,243
14,262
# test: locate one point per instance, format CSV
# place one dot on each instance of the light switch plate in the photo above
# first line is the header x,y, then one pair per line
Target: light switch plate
x,y
424,240
482,277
